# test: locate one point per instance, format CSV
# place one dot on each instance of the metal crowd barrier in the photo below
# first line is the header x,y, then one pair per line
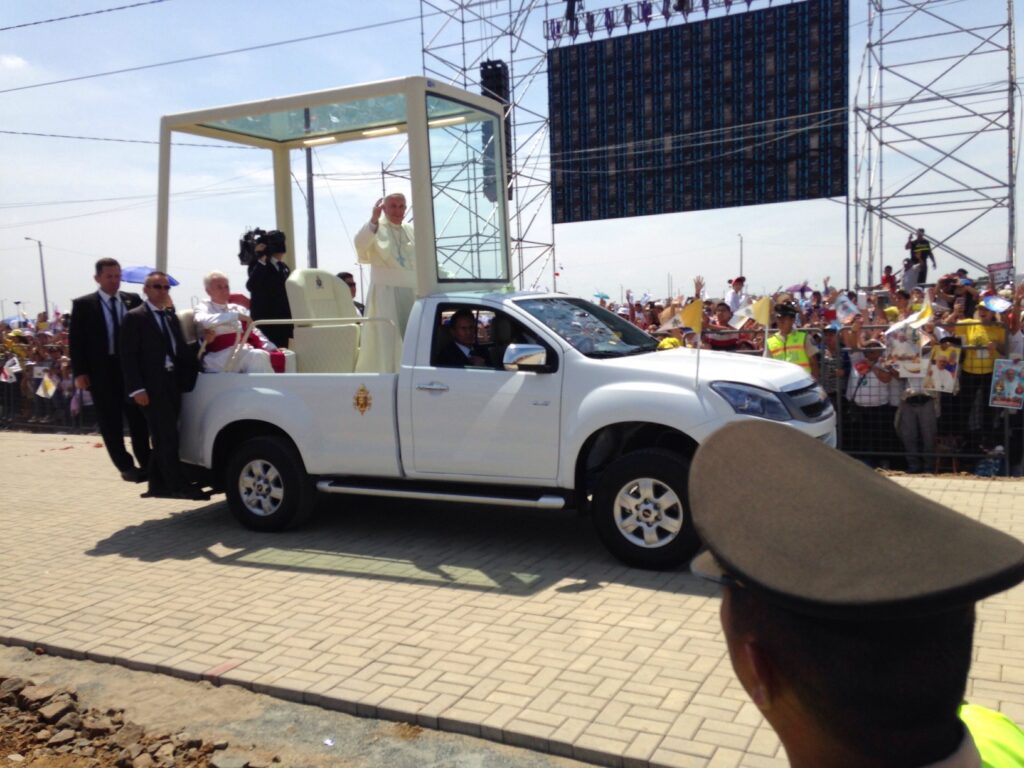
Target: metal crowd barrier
x,y
965,433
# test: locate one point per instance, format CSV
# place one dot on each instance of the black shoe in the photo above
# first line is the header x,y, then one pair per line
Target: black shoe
x,y
134,475
159,494
192,494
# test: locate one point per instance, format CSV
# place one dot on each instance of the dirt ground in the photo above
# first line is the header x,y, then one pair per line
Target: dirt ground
x,y
196,725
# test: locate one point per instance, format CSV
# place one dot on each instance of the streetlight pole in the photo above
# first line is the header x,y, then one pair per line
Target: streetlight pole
x,y
42,271
741,253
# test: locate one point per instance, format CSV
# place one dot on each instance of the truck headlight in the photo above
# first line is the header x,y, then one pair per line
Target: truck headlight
x,y
752,401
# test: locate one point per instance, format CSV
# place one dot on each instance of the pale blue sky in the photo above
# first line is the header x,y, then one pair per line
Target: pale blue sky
x,y
783,244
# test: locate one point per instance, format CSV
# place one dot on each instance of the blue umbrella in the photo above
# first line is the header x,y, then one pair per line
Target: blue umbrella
x,y
138,275
15,321
601,295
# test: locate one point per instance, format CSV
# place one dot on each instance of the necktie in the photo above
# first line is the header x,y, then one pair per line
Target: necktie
x,y
165,326
115,324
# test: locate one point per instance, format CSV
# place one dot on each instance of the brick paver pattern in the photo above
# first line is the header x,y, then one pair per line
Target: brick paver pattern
x,y
511,625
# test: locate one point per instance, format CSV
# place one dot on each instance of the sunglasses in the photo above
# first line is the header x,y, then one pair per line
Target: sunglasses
x,y
160,287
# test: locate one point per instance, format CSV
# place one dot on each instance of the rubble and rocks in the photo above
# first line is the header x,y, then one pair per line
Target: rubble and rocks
x,y
44,725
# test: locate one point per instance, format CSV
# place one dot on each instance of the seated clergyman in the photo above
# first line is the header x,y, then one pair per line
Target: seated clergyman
x,y
221,323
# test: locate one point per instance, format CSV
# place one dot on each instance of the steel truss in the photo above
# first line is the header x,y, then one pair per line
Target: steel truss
x,y
934,130
457,37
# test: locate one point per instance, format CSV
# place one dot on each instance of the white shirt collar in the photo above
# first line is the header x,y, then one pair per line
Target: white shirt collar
x,y
107,296
152,307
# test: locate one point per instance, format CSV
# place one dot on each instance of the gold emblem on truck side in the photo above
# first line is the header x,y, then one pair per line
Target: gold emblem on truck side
x,y
363,400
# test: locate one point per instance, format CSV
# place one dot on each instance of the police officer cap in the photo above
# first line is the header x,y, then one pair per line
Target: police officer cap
x,y
835,540
786,310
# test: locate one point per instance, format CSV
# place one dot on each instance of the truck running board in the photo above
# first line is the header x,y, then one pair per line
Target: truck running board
x,y
546,501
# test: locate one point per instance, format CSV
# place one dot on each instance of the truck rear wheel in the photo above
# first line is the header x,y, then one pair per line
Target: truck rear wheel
x,y
267,486
640,510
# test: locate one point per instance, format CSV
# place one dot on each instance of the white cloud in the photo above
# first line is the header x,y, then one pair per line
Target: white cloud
x,y
12,61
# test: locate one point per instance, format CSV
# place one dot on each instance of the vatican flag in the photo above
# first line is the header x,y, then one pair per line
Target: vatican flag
x,y
692,315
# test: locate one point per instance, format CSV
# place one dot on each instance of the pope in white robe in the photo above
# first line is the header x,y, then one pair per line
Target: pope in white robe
x,y
387,245
221,322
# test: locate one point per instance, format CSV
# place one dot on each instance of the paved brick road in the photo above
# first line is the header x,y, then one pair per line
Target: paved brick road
x,y
515,626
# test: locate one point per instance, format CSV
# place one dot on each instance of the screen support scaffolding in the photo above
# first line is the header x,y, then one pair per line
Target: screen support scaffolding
x,y
934,131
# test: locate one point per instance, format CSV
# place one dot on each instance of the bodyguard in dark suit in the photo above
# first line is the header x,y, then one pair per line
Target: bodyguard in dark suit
x,y
96,321
463,350
158,366
268,298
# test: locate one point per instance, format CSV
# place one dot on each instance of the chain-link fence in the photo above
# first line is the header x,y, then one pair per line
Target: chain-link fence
x,y
39,394
942,422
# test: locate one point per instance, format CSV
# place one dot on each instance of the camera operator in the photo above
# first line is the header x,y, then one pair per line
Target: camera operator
x,y
267,275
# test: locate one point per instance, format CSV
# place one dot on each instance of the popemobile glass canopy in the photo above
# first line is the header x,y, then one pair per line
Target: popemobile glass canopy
x,y
456,159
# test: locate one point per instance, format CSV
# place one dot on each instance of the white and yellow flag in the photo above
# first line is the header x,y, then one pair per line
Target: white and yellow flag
x,y
46,387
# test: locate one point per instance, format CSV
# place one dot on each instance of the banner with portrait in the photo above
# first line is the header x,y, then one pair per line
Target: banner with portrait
x,y
1007,384
943,373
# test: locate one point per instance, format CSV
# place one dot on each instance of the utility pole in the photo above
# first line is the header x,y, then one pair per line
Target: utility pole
x,y
42,271
310,212
741,254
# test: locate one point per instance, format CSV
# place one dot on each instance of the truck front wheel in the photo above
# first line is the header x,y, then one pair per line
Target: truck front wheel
x,y
267,486
640,510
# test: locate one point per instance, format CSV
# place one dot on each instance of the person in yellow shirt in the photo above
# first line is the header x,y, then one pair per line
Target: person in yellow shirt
x,y
984,341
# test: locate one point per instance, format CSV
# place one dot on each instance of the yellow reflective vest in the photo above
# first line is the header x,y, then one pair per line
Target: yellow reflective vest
x,y
998,739
792,349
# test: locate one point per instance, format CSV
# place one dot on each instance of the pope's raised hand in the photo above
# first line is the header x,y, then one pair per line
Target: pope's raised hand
x,y
378,208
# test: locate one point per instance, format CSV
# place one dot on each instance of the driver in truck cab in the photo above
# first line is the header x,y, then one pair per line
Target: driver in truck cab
x,y
462,351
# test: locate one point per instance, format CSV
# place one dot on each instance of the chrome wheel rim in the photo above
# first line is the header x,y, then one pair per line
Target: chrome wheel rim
x,y
261,488
648,513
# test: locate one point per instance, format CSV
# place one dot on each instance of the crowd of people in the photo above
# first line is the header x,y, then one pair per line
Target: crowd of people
x,y
37,384
855,343
895,408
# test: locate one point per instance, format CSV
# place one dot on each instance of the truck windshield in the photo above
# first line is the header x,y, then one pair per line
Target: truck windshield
x,y
594,331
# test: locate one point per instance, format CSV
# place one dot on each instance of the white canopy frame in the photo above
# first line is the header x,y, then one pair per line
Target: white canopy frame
x,y
270,124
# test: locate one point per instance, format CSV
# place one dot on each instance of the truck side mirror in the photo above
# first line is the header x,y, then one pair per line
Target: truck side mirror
x,y
525,357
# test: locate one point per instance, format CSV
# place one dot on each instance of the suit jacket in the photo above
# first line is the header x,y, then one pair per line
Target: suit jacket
x,y
269,300
144,352
88,340
453,357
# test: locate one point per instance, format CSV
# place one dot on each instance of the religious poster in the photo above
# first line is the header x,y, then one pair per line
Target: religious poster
x,y
845,309
903,349
943,370
1007,384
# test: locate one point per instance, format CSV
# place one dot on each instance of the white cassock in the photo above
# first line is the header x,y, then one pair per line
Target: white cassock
x,y
224,319
391,254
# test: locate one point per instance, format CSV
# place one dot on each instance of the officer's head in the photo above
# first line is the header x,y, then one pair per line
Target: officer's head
x,y
785,316
849,618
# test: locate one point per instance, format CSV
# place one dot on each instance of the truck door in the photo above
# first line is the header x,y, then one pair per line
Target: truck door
x,y
471,418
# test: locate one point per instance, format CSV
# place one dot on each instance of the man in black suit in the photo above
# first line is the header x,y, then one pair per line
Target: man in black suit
x,y
158,367
96,320
268,298
463,351
350,281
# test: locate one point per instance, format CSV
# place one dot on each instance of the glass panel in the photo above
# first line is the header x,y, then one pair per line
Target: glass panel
x,y
469,215
592,330
327,119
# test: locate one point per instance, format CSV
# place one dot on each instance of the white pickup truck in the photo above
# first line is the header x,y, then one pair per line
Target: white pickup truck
x,y
573,407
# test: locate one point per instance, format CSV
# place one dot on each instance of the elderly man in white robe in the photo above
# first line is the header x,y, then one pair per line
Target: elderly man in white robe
x,y
221,322
388,247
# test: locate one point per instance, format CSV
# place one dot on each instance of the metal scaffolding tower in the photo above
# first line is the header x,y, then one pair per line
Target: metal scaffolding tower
x,y
458,36
934,132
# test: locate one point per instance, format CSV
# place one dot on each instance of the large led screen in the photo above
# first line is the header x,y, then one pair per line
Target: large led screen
x,y
744,109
